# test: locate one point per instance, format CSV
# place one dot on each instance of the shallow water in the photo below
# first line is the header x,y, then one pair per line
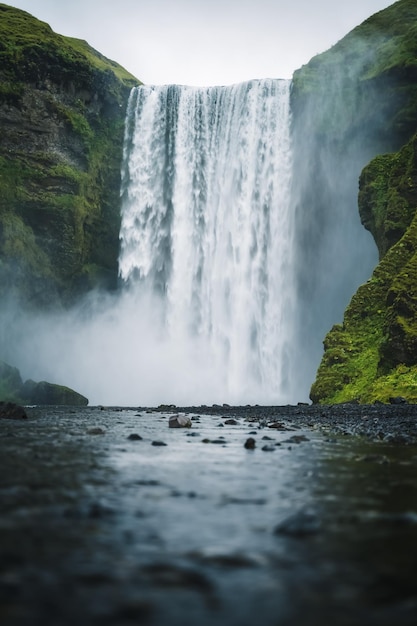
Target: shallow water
x,y
99,528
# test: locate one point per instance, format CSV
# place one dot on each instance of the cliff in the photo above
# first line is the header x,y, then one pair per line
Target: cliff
x,y
62,108
372,355
13,389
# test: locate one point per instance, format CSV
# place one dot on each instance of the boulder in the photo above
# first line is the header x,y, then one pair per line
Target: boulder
x,y
179,421
12,411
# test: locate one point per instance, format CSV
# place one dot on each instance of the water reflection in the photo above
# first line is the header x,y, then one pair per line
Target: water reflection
x,y
108,528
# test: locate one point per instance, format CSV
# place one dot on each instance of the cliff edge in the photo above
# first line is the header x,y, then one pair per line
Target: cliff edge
x,y
372,355
62,109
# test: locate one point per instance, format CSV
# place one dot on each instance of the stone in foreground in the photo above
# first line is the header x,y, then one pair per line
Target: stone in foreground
x,y
179,421
12,411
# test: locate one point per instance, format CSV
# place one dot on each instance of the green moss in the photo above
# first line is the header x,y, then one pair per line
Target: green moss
x,y
376,347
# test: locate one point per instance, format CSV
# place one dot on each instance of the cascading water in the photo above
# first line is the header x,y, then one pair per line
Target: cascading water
x,y
207,234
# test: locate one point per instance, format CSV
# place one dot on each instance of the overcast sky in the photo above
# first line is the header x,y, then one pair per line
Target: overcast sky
x,y
205,42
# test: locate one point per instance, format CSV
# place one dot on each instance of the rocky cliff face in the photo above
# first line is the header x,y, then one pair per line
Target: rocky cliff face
x,y
373,354
62,108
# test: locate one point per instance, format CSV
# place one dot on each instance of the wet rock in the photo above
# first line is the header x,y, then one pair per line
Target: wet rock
x,y
170,575
96,431
226,560
135,437
234,500
12,411
268,448
398,400
179,421
299,525
373,458
250,444
231,422
277,426
159,443
98,511
400,439
297,439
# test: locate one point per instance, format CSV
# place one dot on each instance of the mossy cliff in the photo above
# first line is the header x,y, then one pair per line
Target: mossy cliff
x,y
13,389
62,107
372,355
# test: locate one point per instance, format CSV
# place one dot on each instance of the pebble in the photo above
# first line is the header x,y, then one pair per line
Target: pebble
x,y
135,437
96,431
159,443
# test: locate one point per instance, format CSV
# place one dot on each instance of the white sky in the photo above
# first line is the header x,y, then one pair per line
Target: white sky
x,y
205,42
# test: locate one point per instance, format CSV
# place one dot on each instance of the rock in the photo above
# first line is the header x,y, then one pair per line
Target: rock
x,y
268,448
297,439
96,431
277,426
398,400
159,443
250,444
135,437
299,525
231,422
179,421
12,411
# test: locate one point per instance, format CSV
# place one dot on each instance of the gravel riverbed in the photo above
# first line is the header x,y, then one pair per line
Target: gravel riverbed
x,y
108,516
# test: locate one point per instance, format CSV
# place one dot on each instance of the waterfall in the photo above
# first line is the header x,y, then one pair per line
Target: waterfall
x,y
207,236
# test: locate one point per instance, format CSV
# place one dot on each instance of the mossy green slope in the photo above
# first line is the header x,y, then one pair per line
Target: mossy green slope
x,y
62,107
373,354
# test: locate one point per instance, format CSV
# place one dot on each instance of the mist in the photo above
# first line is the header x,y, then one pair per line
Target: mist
x,y
113,350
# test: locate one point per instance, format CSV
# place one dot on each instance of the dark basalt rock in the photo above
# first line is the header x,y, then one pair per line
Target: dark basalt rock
x,y
12,411
250,443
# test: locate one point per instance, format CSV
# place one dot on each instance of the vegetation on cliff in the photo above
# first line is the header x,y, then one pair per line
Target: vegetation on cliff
x,y
373,354
62,107
13,389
